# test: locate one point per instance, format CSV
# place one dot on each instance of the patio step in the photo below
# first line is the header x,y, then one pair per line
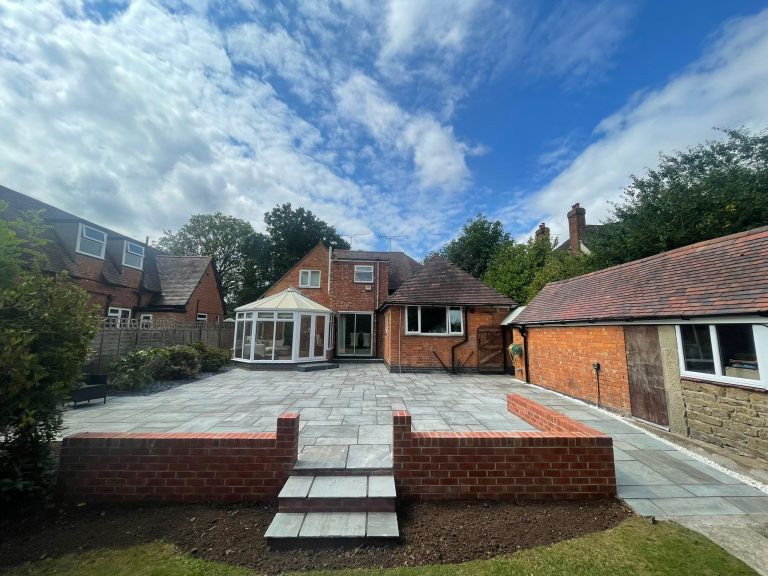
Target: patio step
x,y
323,507
316,366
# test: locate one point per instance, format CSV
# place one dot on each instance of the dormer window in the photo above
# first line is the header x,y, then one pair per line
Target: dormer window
x,y
91,241
133,255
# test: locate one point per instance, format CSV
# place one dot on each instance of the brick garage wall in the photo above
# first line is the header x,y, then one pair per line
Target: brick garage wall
x,y
316,259
728,417
560,359
186,467
416,353
564,461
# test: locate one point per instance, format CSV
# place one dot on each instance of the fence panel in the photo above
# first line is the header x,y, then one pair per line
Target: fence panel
x,y
116,337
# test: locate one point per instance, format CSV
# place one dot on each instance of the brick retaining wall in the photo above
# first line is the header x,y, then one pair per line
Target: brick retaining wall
x,y
565,460
189,467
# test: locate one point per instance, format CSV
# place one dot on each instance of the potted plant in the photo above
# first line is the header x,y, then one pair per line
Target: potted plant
x,y
515,351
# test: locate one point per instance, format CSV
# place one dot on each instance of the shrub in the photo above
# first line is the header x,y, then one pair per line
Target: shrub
x,y
46,326
135,370
180,362
213,359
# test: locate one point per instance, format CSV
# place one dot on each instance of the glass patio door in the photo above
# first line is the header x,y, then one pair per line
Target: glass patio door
x,y
355,334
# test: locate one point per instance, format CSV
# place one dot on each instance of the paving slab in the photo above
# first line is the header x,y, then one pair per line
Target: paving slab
x,y
381,487
339,487
296,487
334,525
313,457
750,504
382,525
370,456
285,525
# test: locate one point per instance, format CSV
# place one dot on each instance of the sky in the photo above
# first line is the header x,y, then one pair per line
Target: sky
x,y
393,118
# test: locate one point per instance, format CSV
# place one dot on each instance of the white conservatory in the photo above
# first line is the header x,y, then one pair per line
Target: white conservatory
x,y
283,328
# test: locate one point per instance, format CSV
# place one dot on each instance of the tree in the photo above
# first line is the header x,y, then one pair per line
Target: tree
x,y
293,233
714,189
476,246
560,265
226,238
46,326
515,265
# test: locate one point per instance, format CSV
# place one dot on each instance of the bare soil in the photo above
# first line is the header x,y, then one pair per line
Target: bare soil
x,y
430,533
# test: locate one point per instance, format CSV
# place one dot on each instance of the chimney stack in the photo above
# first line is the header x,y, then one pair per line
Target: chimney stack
x,y
542,232
577,227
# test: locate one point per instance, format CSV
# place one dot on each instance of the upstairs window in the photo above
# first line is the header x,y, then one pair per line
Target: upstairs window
x,y
363,274
434,320
202,317
730,353
309,279
91,241
133,255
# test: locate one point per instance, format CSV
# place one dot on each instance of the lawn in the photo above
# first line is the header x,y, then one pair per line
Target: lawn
x,y
636,547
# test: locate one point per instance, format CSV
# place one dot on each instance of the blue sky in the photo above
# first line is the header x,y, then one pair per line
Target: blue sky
x,y
400,117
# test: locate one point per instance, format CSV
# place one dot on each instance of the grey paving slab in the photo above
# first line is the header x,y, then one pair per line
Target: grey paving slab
x,y
678,471
374,434
370,456
381,487
296,487
312,457
334,525
723,490
645,491
634,473
750,504
382,525
696,506
339,487
285,525
644,507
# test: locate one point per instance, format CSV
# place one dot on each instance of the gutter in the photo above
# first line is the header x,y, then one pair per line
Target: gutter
x,y
464,341
631,319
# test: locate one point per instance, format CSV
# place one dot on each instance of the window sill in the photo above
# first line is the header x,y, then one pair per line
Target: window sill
x,y
430,335
89,255
704,379
312,287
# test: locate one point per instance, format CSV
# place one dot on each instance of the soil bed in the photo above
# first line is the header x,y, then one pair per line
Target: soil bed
x,y
430,533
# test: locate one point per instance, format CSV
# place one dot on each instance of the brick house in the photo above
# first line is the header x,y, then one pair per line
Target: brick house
x,y
679,339
370,295
124,277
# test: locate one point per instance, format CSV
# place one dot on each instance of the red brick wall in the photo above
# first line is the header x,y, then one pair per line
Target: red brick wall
x,y
560,359
573,464
206,299
416,352
348,296
316,259
188,467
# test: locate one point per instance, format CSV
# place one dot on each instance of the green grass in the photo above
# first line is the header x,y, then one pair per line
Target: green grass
x,y
636,548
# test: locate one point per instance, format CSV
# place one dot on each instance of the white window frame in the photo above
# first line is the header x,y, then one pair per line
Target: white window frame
x,y
308,283
117,313
363,269
447,322
201,317
760,335
145,321
127,250
81,233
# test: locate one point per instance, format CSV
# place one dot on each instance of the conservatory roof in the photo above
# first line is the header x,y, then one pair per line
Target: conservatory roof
x,y
290,300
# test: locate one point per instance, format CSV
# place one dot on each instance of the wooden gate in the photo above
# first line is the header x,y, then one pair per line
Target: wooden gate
x,y
647,395
490,349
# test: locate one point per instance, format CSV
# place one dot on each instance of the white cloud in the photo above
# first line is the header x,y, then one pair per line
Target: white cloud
x,y
727,87
438,157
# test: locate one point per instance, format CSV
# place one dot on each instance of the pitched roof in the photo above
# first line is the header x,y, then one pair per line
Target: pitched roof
x,y
440,282
179,276
401,266
61,256
289,300
723,276
592,231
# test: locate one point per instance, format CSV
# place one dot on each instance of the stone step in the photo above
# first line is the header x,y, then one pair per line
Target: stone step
x,y
314,367
325,493
300,527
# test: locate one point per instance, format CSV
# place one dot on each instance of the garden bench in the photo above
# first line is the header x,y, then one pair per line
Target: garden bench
x,y
93,386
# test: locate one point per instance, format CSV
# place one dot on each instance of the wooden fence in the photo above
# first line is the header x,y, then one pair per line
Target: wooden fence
x,y
116,337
